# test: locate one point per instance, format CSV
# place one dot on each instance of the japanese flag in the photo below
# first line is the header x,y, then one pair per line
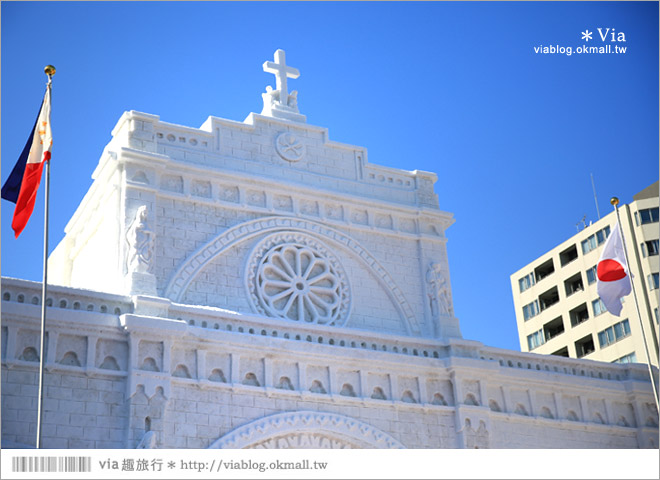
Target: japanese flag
x,y
613,273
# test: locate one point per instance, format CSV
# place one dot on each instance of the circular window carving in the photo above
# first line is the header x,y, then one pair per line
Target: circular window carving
x,y
289,147
295,277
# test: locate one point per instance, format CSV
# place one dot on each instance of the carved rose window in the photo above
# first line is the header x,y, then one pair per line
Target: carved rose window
x,y
294,277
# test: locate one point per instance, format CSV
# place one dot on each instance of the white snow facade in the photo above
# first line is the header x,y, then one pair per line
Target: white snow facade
x,y
256,285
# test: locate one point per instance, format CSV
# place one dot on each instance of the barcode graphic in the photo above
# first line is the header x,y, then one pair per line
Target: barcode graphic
x,y
51,464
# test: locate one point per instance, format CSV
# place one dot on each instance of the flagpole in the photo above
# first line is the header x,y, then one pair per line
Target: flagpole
x,y
50,71
615,203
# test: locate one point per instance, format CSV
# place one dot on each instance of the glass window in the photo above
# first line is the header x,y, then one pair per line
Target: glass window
x,y
614,333
630,358
526,282
606,337
589,244
648,215
591,275
598,306
535,340
652,247
531,310
654,281
621,329
601,235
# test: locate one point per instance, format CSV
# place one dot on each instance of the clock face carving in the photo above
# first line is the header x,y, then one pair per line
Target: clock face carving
x,y
288,146
294,277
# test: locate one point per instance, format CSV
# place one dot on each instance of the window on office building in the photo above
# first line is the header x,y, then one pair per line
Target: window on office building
x,y
579,314
553,328
562,352
614,333
650,248
647,215
654,281
594,240
531,310
584,346
592,276
630,358
534,340
526,282
568,255
543,270
598,307
573,284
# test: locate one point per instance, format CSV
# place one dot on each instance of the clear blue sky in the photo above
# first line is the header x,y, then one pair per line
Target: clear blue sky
x,y
454,88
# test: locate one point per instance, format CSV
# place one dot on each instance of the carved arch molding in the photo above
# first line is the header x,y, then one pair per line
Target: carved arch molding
x,y
193,265
306,430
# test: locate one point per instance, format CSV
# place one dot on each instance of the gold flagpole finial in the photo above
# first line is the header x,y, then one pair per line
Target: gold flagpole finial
x,y
49,70
614,201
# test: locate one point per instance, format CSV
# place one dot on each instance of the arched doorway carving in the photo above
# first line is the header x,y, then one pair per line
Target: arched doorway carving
x,y
306,429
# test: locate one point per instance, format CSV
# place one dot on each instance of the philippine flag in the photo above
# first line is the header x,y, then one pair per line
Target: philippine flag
x,y
613,274
23,182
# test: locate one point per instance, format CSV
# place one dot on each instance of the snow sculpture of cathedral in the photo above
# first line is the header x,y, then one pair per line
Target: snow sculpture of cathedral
x,y
256,284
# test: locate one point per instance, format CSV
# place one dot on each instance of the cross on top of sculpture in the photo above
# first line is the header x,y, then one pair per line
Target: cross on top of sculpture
x,y
279,102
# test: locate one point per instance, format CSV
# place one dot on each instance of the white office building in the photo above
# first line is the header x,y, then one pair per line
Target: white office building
x,y
558,310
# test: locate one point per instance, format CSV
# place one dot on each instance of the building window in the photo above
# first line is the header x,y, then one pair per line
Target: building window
x,y
598,307
544,270
653,281
584,346
601,235
650,248
534,340
553,328
579,314
568,255
592,276
573,284
594,240
531,310
562,352
549,298
589,244
614,333
630,358
655,312
647,215
526,282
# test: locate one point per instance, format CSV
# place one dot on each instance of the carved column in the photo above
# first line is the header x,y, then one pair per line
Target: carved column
x,y
52,347
234,364
167,356
201,364
363,384
91,351
302,376
268,372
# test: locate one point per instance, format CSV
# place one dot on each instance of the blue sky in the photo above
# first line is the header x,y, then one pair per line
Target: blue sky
x,y
453,88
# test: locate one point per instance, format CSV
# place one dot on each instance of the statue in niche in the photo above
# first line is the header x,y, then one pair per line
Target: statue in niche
x,y
438,291
475,438
141,241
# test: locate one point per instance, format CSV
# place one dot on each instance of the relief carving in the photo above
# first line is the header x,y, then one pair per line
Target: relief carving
x,y
141,240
